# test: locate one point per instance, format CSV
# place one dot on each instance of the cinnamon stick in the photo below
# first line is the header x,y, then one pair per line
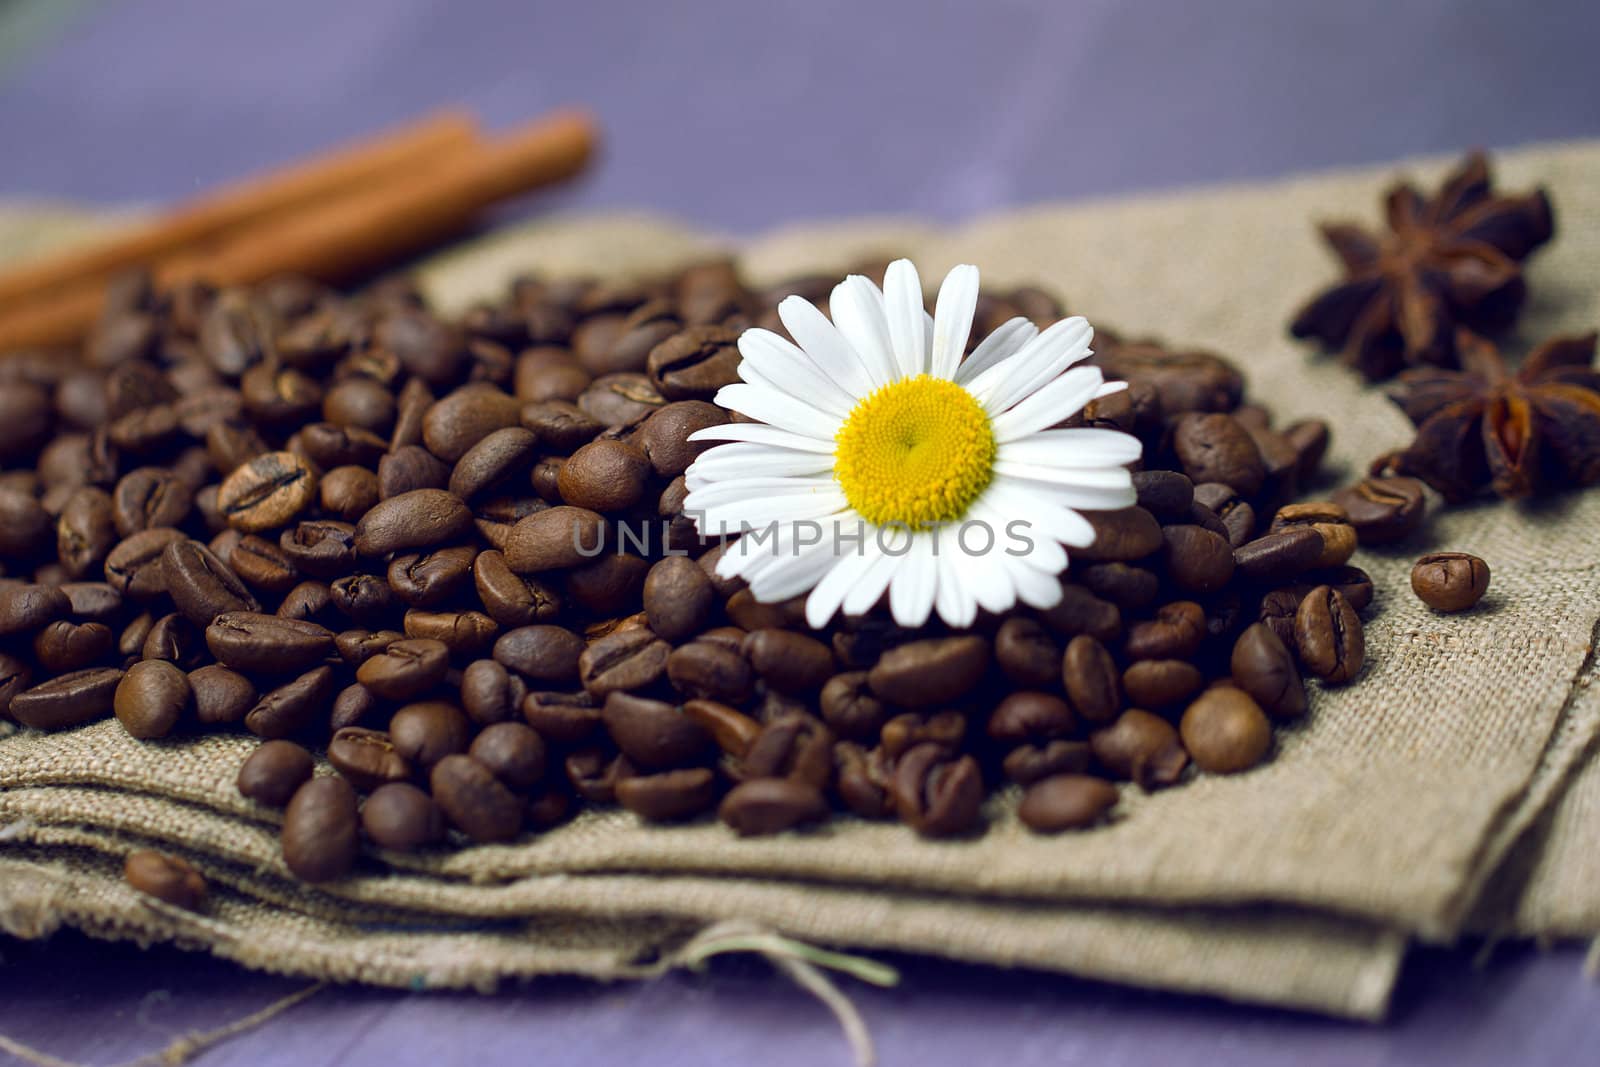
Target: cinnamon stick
x,y
242,203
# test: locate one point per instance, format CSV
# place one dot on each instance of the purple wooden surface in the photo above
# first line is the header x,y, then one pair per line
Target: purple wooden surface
x,y
739,116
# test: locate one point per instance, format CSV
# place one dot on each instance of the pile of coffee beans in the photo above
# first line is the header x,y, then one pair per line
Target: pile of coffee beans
x,y
452,557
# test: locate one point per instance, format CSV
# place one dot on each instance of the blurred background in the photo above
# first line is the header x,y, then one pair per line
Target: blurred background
x,y
739,115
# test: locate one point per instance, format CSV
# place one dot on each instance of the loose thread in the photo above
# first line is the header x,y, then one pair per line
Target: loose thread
x,y
181,1049
803,964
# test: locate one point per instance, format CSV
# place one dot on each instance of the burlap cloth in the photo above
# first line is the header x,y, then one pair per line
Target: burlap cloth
x,y
1449,791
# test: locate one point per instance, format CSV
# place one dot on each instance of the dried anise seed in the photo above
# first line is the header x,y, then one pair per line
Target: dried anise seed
x,y
1449,260
1524,433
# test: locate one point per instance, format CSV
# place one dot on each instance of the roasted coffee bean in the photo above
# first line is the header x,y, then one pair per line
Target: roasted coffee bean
x,y
710,670
433,579
464,633
1165,494
1353,582
1450,581
151,698
1383,510
408,469
664,437
25,523
556,538
787,661
25,419
1140,747
935,671
274,771
678,598
490,693
149,496
1025,717
1090,677
1237,517
513,752
1309,438
1225,731
1329,520
465,417
560,426
594,774
405,669
1161,683
130,642
1276,557
863,780
328,445
652,733
508,598
694,363
426,732
936,792
294,706
1196,560
905,731
1216,448
320,836
1175,632
1025,651
221,696
69,646
401,817
1277,612
419,519
93,601
668,796
134,567
15,676
1263,667
364,598
624,660
322,548
620,400
359,402
67,700
544,653
411,407
1119,536
269,490
493,460
731,729
849,706
562,718
263,565
347,493
793,745
1026,764
762,806
308,600
549,373
355,705
201,585
1130,588
355,647
86,531
368,758
145,431
604,476
170,879
231,443
1081,612
1328,636
1066,802
248,641
608,586
474,800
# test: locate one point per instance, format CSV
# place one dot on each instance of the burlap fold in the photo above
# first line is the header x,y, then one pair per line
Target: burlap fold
x,y
1384,816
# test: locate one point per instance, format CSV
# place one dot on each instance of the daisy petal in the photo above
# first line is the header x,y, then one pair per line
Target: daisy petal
x,y
1077,497
761,433
828,596
1076,477
912,591
1034,588
952,320
1043,516
1056,401
1045,554
873,581
790,371
857,308
827,347
742,460
1086,446
952,599
793,576
1040,361
902,302
785,412
1003,343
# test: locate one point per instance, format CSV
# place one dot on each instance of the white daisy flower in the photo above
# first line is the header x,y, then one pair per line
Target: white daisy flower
x,y
881,460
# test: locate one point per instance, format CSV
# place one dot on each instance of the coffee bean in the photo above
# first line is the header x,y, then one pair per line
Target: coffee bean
x,y
1275,557
433,579
787,661
134,567
368,758
763,806
508,598
85,531
562,718
292,707
70,646
556,538
544,653
493,460
1161,683
308,600
1197,560
474,800
405,669
1130,588
248,641
664,437
935,671
604,476
1353,582
15,676
67,700
465,417
348,492
947,729
151,698
490,693
322,548
464,633
401,817
594,773
937,793
1237,517
1090,677
201,585
1142,748
1383,510
1024,717
863,780
1026,764
170,879
328,445
1278,608
1174,633
268,491
1165,494
426,732
263,565
1215,448
274,771
668,796
1126,534
1066,802
732,730
1328,636
320,841
513,752
419,519
849,706
1264,668
791,745
1225,731
625,660
408,469
1450,581
652,733
364,598
694,363
1026,652
93,601
678,598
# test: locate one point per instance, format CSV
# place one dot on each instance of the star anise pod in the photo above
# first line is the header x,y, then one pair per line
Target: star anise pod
x,y
1521,433
1450,260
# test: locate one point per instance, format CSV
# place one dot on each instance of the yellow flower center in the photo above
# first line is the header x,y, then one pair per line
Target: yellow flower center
x,y
915,453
